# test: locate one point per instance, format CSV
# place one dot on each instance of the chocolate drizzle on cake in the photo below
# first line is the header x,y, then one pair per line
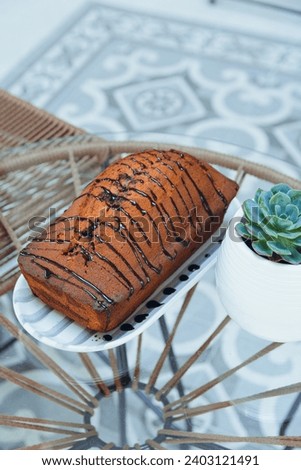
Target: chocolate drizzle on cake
x,y
47,273
78,277
201,194
135,236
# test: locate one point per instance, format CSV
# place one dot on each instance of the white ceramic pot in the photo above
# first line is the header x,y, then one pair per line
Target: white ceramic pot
x,y
262,296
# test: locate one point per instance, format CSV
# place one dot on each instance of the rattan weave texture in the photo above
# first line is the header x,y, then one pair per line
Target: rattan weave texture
x,y
21,123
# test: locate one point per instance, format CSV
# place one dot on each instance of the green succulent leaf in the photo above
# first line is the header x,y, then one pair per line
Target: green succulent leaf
x,y
279,248
295,196
281,188
250,209
265,215
297,241
264,200
280,224
258,194
279,199
242,231
255,231
297,226
253,212
270,231
273,223
278,210
294,257
289,235
261,247
292,212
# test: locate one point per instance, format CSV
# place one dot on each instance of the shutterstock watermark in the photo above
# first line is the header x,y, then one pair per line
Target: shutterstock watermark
x,y
125,227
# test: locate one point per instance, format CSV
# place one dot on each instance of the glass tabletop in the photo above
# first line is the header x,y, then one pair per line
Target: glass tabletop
x,y
193,379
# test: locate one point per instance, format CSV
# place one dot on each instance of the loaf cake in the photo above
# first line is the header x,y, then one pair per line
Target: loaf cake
x,y
128,231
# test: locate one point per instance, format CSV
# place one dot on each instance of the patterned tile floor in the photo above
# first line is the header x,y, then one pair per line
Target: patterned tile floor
x,y
112,70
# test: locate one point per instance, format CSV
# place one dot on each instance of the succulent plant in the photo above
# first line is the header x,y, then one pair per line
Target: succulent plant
x,y
272,223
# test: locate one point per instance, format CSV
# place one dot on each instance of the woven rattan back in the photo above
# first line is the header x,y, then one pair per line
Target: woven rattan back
x,y
21,123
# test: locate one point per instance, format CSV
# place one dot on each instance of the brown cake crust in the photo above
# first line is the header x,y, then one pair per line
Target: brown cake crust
x,y
128,231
